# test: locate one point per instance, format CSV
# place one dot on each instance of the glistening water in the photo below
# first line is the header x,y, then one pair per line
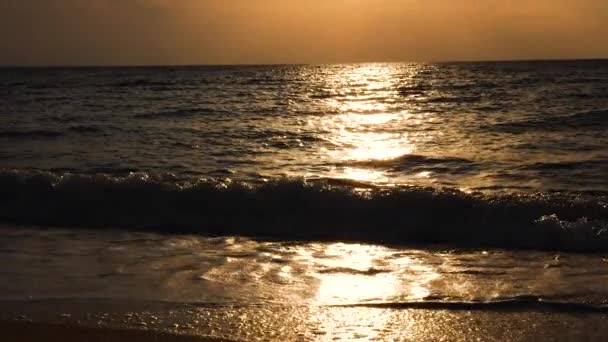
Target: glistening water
x,y
390,187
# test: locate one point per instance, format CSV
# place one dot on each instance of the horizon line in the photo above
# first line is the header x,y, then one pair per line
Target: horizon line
x,y
522,60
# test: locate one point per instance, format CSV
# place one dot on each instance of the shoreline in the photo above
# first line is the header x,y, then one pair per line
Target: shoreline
x,y
118,322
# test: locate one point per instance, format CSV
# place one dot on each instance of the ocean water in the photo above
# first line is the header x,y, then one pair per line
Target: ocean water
x,y
378,186
498,154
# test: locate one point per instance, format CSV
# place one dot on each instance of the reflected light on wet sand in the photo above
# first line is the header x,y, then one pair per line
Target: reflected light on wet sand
x,y
354,274
351,274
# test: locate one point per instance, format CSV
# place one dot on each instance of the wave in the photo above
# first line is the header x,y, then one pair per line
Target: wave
x,y
523,303
145,83
414,90
457,92
297,209
569,165
157,85
30,134
322,96
418,162
346,270
45,134
267,80
180,113
454,99
594,119
85,129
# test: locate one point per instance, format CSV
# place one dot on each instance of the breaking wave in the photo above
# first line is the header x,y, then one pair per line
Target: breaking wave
x,y
295,209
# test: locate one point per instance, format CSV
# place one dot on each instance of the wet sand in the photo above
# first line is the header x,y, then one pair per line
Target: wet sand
x,y
99,322
17,331
519,327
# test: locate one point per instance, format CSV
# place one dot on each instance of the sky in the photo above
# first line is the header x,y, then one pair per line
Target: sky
x,y
173,32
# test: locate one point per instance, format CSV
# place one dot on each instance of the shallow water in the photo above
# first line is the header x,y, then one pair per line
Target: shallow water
x,y
484,154
243,289
88,265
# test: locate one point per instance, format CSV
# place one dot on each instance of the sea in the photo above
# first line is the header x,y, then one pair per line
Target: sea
x,y
304,202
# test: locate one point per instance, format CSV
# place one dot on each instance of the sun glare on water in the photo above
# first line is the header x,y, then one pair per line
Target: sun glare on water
x,y
366,125
351,274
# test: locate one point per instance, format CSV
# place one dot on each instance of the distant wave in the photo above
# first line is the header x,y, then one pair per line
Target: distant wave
x,y
569,165
594,119
45,134
299,210
156,85
268,80
454,99
460,92
416,161
145,83
415,89
180,113
321,95
86,129
30,134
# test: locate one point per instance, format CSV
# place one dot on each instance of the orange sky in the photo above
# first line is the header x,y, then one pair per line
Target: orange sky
x,y
125,32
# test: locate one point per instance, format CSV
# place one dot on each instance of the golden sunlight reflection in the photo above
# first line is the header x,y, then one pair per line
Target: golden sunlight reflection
x,y
351,324
424,174
367,125
351,274
363,146
362,175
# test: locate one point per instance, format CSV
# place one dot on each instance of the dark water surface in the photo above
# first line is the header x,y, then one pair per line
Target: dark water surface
x,y
536,126
504,154
367,201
